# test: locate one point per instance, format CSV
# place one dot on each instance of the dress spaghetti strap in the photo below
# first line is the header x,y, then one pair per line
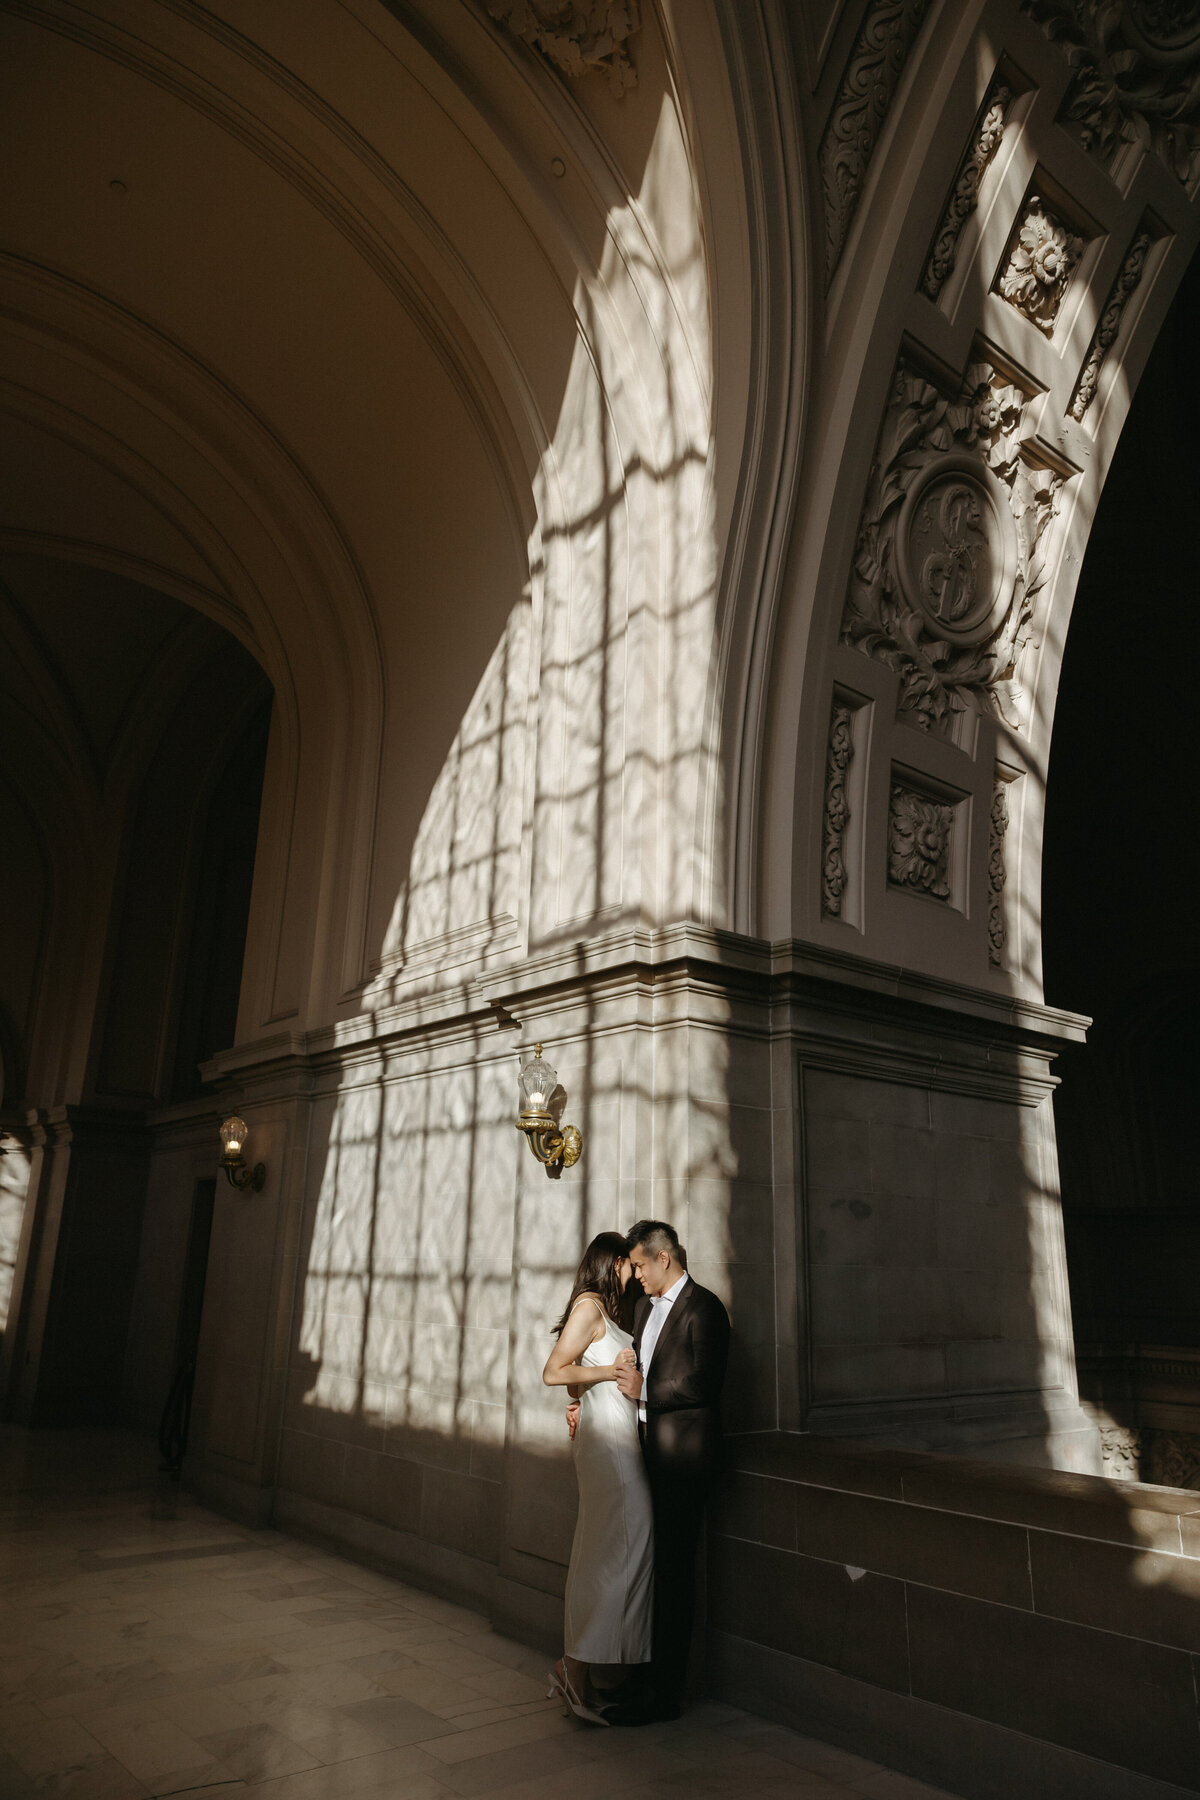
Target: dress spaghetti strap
x,y
595,1302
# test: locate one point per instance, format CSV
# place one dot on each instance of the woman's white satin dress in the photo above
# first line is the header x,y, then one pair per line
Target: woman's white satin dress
x,y
610,1581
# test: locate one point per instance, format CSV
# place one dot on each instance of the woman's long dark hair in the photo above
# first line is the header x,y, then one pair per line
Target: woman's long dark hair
x,y
597,1274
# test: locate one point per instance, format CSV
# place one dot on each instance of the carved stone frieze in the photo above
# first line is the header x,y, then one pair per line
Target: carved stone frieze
x,y
577,35
1121,1452
1041,257
919,831
1135,67
997,873
1172,1459
1110,323
837,809
985,140
951,548
1165,1458
868,84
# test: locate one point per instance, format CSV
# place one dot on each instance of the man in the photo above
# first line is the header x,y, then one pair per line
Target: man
x,y
681,1338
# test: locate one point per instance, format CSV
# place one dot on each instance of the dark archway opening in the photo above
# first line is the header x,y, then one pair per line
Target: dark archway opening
x,y
1121,875
134,743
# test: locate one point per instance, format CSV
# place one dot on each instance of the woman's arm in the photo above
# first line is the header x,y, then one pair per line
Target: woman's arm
x,y
563,1367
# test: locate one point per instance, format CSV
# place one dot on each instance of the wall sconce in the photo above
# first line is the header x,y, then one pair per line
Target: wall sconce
x,y
238,1173
537,1082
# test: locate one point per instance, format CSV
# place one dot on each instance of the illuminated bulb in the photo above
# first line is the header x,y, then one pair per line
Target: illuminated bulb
x,y
233,1135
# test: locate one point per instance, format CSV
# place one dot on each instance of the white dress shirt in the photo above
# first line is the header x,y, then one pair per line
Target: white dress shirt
x,y
660,1306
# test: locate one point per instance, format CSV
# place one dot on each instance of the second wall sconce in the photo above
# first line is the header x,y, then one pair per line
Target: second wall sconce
x,y
238,1172
551,1146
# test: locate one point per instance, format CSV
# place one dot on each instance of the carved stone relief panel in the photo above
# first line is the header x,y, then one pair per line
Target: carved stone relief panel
x,y
868,84
1134,75
840,898
1041,256
577,35
964,196
951,548
1105,334
997,874
920,828
1121,1452
837,808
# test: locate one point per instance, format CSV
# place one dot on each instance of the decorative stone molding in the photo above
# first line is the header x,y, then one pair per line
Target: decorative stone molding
x,y
1041,257
837,808
997,874
1110,323
1165,1458
964,196
919,831
951,549
1121,1452
868,84
577,35
1135,65
1172,1458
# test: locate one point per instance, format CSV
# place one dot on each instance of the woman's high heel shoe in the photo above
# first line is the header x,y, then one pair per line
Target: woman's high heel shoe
x,y
560,1684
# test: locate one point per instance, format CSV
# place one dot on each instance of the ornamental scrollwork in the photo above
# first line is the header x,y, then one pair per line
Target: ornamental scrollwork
x,y
868,84
1121,1452
577,35
1110,323
1041,258
919,831
951,548
1174,1459
837,808
1135,75
997,873
964,196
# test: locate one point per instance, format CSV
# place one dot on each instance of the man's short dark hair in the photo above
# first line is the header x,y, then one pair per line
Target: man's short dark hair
x,y
654,1236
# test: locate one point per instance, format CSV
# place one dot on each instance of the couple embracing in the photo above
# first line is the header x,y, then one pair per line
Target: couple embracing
x,y
647,1431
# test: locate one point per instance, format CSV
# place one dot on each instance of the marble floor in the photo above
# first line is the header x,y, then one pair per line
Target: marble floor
x,y
150,1647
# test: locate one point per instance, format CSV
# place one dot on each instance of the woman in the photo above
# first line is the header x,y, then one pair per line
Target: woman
x,y
609,1584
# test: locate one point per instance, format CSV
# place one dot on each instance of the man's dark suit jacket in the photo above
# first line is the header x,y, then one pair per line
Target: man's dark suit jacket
x,y
683,1390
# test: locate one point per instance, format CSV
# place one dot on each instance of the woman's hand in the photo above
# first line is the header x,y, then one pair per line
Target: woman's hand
x,y
626,1357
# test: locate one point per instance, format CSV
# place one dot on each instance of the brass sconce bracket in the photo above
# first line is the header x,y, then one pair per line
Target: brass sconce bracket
x,y
550,1145
240,1175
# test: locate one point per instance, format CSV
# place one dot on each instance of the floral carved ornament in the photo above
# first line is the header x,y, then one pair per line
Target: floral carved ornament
x,y
951,547
1135,75
919,831
1040,261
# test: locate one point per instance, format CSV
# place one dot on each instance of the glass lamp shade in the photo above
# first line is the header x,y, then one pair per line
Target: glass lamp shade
x,y
537,1082
233,1136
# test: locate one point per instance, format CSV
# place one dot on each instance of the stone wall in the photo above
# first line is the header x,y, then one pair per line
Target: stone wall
x,y
1001,1631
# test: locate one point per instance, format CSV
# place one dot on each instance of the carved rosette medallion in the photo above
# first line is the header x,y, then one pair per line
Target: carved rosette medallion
x,y
868,84
837,809
997,874
919,831
964,196
577,35
1110,323
1134,75
1041,258
951,548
